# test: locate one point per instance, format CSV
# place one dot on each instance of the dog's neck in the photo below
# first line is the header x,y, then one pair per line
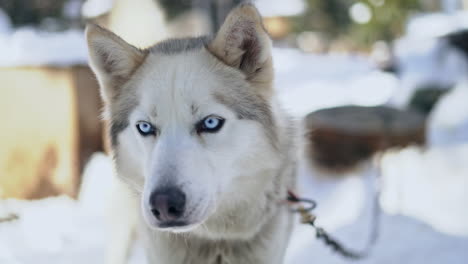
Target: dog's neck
x,y
244,219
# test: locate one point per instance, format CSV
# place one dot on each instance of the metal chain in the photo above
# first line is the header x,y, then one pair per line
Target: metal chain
x,y
308,218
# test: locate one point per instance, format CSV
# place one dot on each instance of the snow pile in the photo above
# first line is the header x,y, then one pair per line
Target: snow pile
x,y
423,58
30,47
5,23
429,186
93,197
426,61
95,8
448,122
440,24
307,82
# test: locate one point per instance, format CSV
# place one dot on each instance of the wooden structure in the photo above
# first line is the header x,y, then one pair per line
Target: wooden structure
x,y
340,138
50,127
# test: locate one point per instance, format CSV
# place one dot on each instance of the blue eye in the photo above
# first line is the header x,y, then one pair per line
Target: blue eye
x,y
210,124
146,128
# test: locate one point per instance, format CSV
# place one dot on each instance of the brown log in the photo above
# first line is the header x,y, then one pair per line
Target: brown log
x,y
341,138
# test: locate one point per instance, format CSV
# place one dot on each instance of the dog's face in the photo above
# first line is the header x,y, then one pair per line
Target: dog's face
x,y
190,120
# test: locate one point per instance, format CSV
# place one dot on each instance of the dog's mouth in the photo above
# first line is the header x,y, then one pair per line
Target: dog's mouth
x,y
171,224
176,226
185,224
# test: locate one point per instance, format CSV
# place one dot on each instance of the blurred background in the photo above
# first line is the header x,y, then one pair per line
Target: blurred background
x,y
380,87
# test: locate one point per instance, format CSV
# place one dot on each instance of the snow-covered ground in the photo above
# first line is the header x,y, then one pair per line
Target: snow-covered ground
x,y
449,119
345,208
424,199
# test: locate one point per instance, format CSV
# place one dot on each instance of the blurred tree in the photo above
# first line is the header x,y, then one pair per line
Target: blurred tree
x,y
215,9
175,8
332,18
220,9
328,16
388,20
32,12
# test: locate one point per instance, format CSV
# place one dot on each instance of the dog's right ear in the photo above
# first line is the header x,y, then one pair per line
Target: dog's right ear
x,y
112,59
243,43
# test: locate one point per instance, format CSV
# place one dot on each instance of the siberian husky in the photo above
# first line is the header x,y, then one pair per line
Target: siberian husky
x,y
198,137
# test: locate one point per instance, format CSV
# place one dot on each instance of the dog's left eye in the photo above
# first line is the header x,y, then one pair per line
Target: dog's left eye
x,y
210,124
145,128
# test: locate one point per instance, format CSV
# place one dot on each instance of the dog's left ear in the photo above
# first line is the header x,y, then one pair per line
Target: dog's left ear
x,y
242,42
112,59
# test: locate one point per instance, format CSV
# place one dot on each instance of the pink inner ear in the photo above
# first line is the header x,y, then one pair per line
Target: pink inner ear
x,y
239,32
240,43
250,47
242,47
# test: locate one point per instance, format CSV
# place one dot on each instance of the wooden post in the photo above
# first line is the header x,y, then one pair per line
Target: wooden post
x,y
50,127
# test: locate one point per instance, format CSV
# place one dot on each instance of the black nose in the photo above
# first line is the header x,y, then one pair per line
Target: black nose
x,y
167,204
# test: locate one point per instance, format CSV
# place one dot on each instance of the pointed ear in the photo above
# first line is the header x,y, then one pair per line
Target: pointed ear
x,y
242,42
112,59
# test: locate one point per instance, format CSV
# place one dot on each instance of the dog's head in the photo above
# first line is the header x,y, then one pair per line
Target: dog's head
x,y
191,120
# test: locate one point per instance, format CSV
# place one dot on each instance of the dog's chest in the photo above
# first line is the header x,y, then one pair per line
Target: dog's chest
x,y
196,252
266,248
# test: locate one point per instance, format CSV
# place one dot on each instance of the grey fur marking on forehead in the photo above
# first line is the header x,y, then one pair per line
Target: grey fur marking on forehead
x,y
174,46
250,106
120,112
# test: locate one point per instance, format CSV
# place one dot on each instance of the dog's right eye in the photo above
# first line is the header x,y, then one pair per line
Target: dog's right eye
x,y
145,128
210,124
